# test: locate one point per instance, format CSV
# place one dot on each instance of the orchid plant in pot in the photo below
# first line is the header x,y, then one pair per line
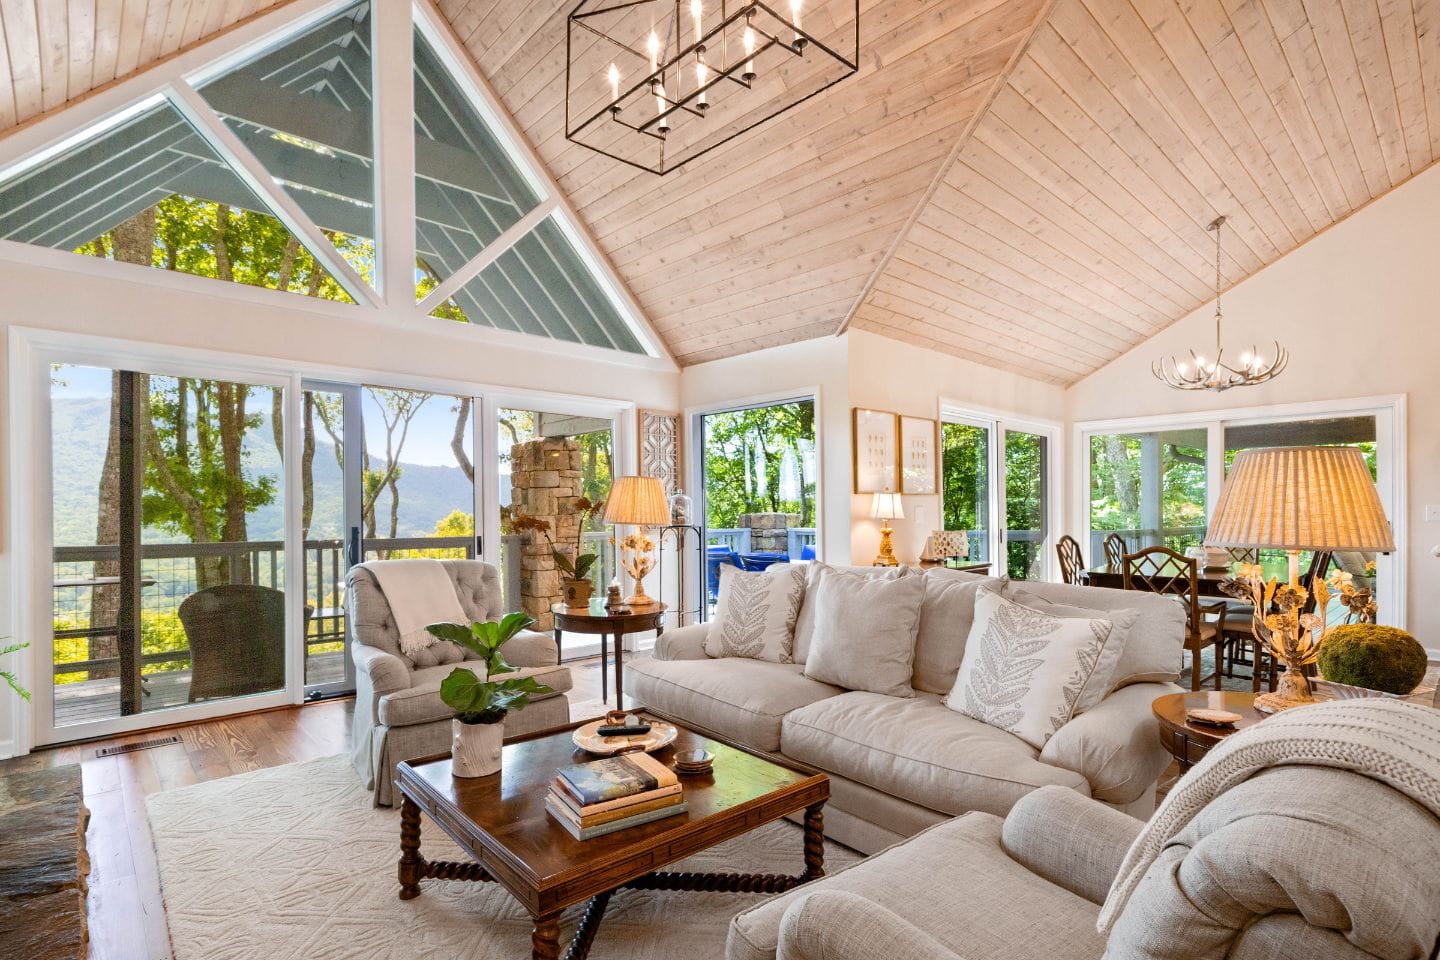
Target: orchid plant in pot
x,y
480,705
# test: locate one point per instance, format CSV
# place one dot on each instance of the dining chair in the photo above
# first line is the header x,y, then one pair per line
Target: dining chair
x,y
1243,554
1165,571
1240,627
1072,562
1115,550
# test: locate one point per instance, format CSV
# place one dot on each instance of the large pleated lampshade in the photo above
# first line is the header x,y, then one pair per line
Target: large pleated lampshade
x,y
637,500
1301,498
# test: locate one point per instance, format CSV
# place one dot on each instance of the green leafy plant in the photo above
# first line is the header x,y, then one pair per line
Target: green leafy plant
x,y
9,677
486,701
578,568
1379,658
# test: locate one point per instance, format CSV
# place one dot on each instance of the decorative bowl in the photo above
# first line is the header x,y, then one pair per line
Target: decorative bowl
x,y
587,738
1330,690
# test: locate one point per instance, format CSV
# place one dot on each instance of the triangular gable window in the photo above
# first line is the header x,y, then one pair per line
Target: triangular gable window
x,y
262,170
152,191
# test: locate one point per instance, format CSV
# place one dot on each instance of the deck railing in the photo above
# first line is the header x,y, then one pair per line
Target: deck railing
x,y
168,575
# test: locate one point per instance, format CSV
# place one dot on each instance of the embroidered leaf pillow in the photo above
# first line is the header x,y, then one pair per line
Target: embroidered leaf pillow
x,y
755,614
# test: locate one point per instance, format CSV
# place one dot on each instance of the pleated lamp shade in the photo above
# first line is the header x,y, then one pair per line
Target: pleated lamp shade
x,y
637,500
1301,498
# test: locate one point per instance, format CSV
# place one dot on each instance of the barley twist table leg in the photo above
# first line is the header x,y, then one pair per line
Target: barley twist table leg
x,y
412,865
545,940
814,843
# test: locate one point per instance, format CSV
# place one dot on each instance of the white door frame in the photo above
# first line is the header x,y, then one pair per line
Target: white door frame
x,y
1389,411
32,351
1000,423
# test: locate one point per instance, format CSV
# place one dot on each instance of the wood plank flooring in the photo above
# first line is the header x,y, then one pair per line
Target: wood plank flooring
x,y
127,913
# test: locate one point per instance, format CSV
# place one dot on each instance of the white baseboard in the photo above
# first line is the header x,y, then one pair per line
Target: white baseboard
x,y
7,749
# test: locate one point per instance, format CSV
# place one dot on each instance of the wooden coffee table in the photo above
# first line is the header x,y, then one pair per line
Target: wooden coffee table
x,y
501,822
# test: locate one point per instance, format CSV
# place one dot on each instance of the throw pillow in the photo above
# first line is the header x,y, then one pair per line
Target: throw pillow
x,y
1121,623
755,614
805,624
1027,672
946,613
1152,646
865,632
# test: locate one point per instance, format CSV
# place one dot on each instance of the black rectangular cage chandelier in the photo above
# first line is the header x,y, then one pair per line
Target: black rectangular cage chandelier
x,y
658,83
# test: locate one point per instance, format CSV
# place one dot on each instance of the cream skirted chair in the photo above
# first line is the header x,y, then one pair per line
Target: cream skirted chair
x,y
398,711
1311,836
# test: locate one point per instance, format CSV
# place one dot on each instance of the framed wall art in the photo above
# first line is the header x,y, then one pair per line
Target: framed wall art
x,y
919,456
876,450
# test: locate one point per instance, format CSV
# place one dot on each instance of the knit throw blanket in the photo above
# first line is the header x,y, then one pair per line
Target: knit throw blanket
x,y
1395,742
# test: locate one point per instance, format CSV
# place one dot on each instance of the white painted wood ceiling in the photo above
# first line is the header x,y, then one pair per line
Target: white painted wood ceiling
x,y
1020,182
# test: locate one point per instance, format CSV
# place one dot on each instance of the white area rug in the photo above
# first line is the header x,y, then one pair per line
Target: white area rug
x,y
293,862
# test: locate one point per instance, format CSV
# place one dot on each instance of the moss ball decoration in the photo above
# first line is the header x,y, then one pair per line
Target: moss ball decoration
x,y
1379,658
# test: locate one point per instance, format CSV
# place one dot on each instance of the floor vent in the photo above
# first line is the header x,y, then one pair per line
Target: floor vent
x,y
140,745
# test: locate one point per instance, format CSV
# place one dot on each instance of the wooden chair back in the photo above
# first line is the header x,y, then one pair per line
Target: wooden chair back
x,y
1115,550
1243,554
1162,570
1072,562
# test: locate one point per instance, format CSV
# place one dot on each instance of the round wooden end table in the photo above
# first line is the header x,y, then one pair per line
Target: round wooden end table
x,y
581,620
1188,741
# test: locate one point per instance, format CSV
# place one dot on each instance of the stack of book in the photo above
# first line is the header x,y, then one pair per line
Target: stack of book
x,y
600,797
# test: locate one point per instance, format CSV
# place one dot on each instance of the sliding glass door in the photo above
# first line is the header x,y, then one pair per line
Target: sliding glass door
x,y
168,542
1148,487
996,475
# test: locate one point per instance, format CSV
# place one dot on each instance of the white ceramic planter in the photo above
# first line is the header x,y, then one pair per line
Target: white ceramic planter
x,y
475,748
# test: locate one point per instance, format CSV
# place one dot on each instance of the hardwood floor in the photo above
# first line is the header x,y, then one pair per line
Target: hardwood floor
x,y
127,913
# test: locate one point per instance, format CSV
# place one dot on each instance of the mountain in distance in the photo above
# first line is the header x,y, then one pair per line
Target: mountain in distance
x,y
80,428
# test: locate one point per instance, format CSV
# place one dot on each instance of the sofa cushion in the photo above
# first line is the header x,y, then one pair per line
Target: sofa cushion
x,y
755,615
865,632
1152,646
987,907
805,622
946,614
1028,672
740,699
420,702
919,750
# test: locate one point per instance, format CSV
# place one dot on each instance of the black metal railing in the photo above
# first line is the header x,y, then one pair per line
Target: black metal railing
x,y
169,574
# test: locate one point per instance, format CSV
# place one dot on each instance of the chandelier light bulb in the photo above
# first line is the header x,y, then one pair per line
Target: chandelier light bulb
x,y
653,46
614,75
795,19
702,73
747,40
697,14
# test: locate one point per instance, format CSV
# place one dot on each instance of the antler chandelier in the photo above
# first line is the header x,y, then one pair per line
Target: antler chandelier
x,y
657,83
1199,373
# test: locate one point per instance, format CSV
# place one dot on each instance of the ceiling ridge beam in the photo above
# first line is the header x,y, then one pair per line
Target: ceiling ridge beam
x,y
1001,79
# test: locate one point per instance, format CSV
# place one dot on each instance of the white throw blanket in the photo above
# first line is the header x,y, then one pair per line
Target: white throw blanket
x,y
420,592
1392,741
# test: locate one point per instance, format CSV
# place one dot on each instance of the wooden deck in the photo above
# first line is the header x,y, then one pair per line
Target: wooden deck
x,y
92,700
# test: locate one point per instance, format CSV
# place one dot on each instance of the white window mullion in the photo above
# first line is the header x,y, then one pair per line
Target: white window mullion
x,y
392,45
512,235
250,171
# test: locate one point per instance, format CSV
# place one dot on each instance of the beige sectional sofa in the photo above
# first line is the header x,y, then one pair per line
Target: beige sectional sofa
x,y
899,765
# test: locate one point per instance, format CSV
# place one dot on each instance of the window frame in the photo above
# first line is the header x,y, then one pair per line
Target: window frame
x,y
1391,481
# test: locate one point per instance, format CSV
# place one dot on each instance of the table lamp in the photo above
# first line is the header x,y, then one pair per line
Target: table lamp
x,y
886,507
639,501
1294,499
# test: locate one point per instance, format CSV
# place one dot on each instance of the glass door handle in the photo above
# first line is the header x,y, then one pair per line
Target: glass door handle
x,y
352,548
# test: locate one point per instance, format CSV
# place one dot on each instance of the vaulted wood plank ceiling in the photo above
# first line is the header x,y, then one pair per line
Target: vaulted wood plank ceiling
x,y
1021,182
53,51
1072,224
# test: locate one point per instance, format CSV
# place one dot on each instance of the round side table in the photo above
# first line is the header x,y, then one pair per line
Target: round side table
x,y
1188,741
581,620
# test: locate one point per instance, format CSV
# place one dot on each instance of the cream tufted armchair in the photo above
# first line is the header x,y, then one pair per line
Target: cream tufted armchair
x,y
398,711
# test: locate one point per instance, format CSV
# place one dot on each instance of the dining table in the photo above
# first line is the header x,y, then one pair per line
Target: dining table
x,y
1209,579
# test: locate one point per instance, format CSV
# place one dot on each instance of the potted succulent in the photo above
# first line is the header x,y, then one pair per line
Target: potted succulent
x,y
480,705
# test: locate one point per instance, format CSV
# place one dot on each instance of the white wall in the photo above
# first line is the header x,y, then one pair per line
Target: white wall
x,y
886,374
792,369
125,302
1359,309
